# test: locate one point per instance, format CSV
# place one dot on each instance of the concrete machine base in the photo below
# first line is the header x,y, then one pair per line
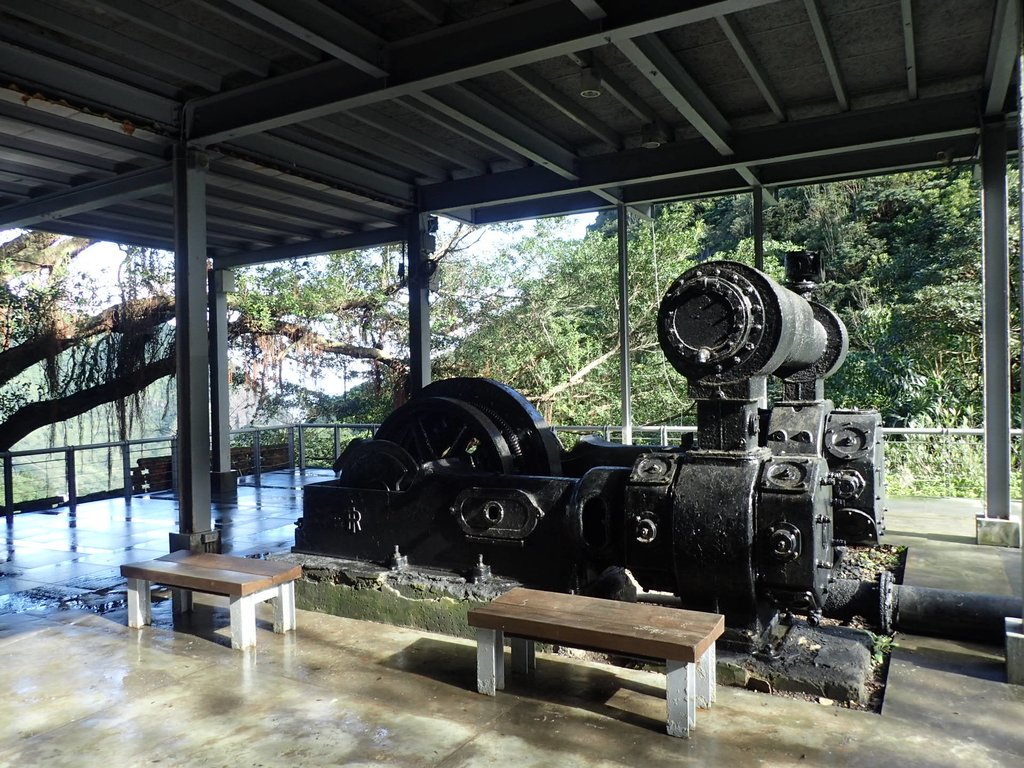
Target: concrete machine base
x,y
831,662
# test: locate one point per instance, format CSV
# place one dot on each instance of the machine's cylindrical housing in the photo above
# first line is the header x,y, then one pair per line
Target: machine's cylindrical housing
x,y
722,322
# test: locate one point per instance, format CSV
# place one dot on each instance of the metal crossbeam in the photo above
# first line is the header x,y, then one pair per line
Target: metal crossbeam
x,y
471,107
745,52
323,28
297,156
523,34
30,69
659,65
897,126
187,34
99,36
86,197
828,53
432,10
371,238
1003,50
542,88
909,51
418,139
359,211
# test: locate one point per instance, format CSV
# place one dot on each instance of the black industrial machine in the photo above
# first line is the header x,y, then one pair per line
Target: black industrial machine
x,y
747,519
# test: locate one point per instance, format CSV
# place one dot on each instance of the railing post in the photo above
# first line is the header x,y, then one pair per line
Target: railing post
x,y
9,486
174,464
257,463
126,471
72,481
302,448
290,438
337,443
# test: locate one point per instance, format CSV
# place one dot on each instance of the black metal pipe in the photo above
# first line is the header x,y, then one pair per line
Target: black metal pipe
x,y
922,610
956,615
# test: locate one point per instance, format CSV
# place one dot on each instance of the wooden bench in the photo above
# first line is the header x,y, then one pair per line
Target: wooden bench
x,y
685,640
244,580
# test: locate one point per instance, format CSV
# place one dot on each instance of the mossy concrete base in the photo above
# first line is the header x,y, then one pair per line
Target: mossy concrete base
x,y
423,598
830,662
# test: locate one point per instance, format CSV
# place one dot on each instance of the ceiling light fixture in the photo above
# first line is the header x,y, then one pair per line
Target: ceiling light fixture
x,y
653,136
590,83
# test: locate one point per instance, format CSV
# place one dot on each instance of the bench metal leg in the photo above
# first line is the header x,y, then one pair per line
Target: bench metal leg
x,y
140,610
284,608
680,693
524,655
490,661
243,621
706,678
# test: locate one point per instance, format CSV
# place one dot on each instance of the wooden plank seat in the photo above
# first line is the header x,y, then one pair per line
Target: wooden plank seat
x,y
685,640
245,581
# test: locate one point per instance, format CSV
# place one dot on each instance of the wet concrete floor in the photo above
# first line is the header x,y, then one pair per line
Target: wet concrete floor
x,y
82,689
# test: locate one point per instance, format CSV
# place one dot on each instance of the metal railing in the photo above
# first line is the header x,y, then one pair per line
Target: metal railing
x,y
927,461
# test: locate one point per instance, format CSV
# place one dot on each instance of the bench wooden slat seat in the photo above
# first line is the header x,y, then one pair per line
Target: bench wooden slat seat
x,y
685,640
245,581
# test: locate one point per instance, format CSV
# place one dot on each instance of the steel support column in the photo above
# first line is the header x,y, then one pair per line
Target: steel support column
x,y
758,227
625,372
995,269
190,167
421,243
222,478
1015,624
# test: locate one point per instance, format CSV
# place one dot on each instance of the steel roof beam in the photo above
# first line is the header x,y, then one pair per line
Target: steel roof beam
x,y
60,128
470,107
364,212
542,88
179,30
372,238
57,79
419,140
99,36
232,228
320,219
432,10
590,8
659,65
535,209
78,229
745,52
909,51
524,34
460,129
336,140
893,126
622,92
297,156
1003,50
323,28
828,52
261,28
87,197
19,32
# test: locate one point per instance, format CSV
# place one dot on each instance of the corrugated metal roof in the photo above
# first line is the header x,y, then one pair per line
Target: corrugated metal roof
x,y
332,119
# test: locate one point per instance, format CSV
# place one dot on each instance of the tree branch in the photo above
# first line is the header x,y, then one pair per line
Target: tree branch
x,y
137,314
577,377
33,416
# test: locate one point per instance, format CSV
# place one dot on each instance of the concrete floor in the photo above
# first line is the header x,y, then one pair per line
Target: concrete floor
x,y
82,689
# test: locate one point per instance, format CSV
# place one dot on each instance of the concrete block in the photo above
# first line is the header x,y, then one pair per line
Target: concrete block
x,y
1014,651
997,532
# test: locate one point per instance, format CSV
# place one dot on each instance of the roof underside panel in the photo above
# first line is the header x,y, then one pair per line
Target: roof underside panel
x,y
328,122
